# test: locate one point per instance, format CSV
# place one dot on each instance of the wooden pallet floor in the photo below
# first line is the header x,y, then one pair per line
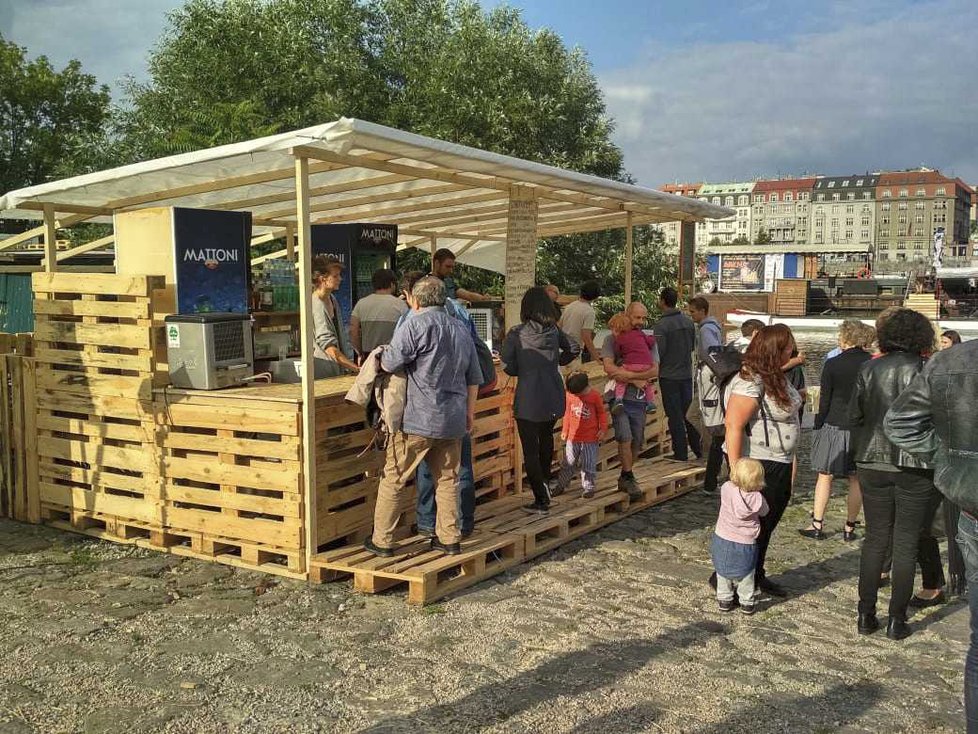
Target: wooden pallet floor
x,y
505,536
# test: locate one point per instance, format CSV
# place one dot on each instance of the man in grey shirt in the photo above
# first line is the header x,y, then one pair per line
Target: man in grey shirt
x,y
436,353
375,316
675,336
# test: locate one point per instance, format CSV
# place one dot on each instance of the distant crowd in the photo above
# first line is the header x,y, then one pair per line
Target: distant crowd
x,y
895,419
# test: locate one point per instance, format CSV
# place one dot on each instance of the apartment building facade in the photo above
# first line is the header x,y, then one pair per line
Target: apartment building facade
x,y
913,207
844,214
781,210
671,230
715,232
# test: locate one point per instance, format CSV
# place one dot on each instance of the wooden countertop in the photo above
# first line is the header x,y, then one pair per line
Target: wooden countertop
x,y
280,392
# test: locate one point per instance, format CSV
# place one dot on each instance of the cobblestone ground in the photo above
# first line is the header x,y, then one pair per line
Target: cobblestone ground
x,y
616,632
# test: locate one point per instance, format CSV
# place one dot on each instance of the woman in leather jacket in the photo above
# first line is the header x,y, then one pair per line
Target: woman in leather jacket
x,y
899,497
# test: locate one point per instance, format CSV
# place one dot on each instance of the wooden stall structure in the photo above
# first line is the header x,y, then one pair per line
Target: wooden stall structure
x,y
791,297
17,428
281,477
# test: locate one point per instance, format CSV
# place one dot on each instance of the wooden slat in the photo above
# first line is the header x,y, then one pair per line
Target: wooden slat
x,y
288,506
95,384
96,454
242,476
97,284
286,534
103,335
91,501
142,362
139,309
288,448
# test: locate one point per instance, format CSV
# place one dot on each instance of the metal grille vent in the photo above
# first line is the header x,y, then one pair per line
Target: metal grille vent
x,y
482,318
229,341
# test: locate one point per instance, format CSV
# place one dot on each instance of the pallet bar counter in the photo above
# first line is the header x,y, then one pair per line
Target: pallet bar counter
x,y
280,477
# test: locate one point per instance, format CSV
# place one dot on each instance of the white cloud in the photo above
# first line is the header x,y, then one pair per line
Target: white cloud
x,y
871,92
110,37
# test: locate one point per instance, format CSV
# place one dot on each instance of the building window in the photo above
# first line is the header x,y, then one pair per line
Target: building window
x,y
716,200
921,192
743,200
758,198
865,221
902,206
886,193
919,218
821,197
940,192
772,197
859,182
729,201
885,219
803,196
831,184
918,245
787,196
901,245
849,221
902,219
884,246
867,194
919,205
885,206
850,196
849,209
864,235
836,197
919,232
845,183
848,234
904,192
835,223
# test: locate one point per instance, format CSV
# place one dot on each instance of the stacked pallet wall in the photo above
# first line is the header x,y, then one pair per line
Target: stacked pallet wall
x,y
349,465
98,348
18,457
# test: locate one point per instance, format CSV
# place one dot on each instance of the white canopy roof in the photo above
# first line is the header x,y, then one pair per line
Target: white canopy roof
x,y
361,171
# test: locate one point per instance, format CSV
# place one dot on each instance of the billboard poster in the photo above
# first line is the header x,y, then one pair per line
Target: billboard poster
x,y
336,240
773,270
212,260
742,272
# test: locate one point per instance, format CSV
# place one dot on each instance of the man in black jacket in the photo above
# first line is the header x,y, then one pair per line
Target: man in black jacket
x,y
935,418
675,338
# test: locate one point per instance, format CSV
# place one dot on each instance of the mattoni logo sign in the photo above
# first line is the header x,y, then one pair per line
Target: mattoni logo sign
x,y
211,257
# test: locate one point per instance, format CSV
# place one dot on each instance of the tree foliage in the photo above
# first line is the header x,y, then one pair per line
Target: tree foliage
x,y
763,237
52,123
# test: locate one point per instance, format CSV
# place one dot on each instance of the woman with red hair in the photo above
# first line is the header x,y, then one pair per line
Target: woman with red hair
x,y
762,423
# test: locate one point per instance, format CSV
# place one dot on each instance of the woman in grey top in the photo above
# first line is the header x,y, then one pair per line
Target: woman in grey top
x,y
332,351
762,423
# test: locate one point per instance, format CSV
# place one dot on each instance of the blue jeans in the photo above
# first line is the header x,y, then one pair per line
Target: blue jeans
x,y
968,543
677,396
466,492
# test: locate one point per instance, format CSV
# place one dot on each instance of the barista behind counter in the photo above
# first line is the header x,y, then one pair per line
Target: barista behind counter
x,y
333,351
443,267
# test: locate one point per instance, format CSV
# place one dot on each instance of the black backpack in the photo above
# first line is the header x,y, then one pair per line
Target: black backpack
x,y
713,375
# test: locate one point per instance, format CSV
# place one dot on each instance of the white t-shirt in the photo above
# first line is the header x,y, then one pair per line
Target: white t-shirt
x,y
577,317
774,430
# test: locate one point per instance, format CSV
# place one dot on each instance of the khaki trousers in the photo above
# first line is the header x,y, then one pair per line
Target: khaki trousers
x,y
404,453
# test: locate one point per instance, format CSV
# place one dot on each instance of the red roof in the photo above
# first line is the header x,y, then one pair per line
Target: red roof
x,y
784,184
683,189
909,178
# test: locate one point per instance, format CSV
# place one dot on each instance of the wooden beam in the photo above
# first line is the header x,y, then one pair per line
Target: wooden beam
x,y
434,249
338,205
308,392
90,211
290,243
87,247
382,214
50,261
270,256
628,258
567,220
261,239
316,191
30,234
453,235
466,247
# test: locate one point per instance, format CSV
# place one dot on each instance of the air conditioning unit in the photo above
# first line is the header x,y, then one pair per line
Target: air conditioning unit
x,y
208,351
482,318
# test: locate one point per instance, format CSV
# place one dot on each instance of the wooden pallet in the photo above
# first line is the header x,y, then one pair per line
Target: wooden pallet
x,y
18,435
505,536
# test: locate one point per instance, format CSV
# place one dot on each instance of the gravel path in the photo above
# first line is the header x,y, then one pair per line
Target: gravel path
x,y
614,633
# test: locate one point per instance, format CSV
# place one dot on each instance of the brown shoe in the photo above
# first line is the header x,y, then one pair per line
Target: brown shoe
x,y
370,547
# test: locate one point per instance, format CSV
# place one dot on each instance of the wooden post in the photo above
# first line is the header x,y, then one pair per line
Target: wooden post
x,y
290,242
629,234
687,256
521,250
308,384
434,249
50,239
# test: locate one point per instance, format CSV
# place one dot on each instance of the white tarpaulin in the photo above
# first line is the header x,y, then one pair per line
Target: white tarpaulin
x,y
361,171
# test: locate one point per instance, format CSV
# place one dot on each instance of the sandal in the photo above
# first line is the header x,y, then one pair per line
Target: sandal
x,y
849,531
815,531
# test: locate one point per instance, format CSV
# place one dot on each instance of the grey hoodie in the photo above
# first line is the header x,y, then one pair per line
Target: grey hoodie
x,y
709,336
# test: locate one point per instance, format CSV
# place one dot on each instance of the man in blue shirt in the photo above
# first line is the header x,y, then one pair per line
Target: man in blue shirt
x,y
443,266
424,481
436,353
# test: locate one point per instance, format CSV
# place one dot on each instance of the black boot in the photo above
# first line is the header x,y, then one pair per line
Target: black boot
x,y
897,629
868,623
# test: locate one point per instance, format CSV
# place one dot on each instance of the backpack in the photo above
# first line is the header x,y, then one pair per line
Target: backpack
x,y
713,376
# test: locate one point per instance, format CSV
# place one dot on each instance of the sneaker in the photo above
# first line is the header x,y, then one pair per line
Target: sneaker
x,y
537,509
587,494
426,532
650,407
629,486
727,605
555,489
748,608
617,407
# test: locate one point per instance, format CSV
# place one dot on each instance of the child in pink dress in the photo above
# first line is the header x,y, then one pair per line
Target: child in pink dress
x,y
634,347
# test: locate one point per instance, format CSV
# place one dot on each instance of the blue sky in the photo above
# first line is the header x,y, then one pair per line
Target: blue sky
x,y
700,90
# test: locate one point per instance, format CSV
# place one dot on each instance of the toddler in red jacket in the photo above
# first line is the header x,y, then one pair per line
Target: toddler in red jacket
x,y
584,426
